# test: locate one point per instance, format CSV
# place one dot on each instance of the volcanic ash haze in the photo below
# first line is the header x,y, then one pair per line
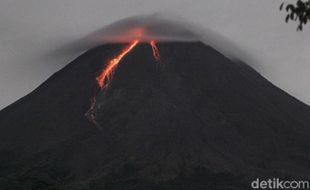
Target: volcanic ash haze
x,y
162,27
163,115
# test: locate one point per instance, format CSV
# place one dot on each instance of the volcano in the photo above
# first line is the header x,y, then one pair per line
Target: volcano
x,y
175,115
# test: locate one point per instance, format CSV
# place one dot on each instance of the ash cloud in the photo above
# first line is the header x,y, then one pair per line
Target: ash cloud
x,y
161,27
146,27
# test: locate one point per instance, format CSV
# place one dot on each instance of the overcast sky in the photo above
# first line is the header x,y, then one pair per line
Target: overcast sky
x,y
31,29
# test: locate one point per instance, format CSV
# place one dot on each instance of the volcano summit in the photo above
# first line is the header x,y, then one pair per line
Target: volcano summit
x,y
195,121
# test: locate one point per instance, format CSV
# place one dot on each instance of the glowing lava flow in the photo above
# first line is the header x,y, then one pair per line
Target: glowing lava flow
x,y
155,51
106,75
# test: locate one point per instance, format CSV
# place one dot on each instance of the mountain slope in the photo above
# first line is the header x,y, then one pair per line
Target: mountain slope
x,y
194,120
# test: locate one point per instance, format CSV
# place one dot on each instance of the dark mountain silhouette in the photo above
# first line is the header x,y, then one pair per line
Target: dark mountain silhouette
x,y
195,121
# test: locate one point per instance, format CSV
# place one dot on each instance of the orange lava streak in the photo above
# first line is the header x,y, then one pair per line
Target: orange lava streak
x,y
106,75
155,51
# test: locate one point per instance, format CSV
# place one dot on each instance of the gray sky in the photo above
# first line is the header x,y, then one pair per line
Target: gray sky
x,y
31,29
